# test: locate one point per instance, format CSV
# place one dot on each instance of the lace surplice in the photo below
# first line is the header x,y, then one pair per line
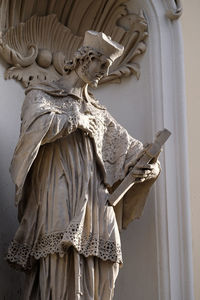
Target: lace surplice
x,y
66,201
62,175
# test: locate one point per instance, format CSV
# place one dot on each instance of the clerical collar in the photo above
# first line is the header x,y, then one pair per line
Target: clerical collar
x,y
53,90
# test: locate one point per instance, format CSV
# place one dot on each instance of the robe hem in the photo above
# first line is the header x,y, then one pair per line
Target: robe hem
x,y
22,256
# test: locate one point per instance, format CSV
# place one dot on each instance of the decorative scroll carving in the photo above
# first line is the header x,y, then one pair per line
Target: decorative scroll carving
x,y
37,49
52,44
134,42
174,9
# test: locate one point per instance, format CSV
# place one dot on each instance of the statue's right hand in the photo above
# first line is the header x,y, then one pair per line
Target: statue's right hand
x,y
88,124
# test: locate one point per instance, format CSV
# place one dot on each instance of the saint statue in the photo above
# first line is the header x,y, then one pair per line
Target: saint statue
x,y
70,155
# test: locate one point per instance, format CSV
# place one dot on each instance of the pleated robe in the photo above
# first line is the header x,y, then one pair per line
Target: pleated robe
x,y
62,178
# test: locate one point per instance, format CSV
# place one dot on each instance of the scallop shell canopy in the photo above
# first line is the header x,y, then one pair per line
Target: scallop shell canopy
x,y
37,48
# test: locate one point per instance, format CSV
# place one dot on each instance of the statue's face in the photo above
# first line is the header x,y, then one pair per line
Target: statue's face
x,y
93,69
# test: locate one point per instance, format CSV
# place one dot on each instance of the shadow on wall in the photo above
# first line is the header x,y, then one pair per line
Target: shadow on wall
x,y
10,280
12,95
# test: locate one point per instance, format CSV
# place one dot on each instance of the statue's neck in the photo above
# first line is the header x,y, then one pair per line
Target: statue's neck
x,y
73,84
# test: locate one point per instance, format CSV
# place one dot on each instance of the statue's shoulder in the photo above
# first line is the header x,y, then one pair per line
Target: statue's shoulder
x,y
46,93
51,89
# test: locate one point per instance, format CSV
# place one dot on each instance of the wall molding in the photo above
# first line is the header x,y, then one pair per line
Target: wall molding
x,y
173,224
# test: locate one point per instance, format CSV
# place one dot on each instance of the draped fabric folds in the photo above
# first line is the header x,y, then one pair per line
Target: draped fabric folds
x,y
71,277
62,178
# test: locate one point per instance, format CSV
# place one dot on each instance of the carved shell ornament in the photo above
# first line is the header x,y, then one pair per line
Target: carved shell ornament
x,y
37,49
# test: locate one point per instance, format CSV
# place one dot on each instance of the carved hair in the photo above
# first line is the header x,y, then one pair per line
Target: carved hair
x,y
82,55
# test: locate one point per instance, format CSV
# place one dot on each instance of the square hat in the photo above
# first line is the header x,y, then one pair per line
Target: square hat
x,y
103,44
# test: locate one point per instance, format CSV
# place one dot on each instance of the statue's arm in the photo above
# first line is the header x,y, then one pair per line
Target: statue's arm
x,y
41,123
46,120
128,152
63,119
65,123
61,125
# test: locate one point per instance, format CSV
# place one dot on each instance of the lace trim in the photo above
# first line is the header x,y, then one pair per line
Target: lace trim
x,y
91,244
60,106
22,255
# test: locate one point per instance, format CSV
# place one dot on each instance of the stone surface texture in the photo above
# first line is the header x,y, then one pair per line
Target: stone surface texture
x,y
70,154
157,248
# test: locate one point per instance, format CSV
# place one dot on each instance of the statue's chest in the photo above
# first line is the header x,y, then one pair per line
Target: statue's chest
x,y
100,119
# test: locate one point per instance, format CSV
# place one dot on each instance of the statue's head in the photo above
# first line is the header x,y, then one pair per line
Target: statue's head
x,y
93,60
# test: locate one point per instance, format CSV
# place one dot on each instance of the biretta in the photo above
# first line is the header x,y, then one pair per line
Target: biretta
x,y
103,44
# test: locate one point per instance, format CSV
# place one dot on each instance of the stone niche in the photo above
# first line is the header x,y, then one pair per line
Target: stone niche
x,y
144,92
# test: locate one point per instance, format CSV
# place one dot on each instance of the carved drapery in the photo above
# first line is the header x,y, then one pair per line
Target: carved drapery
x,y
36,47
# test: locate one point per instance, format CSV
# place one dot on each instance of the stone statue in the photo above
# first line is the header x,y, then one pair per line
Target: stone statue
x,y
71,154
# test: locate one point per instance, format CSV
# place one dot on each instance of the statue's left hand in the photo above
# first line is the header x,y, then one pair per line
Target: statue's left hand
x,y
147,171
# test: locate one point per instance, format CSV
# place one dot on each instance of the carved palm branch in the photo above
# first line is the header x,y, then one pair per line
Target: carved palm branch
x,y
36,47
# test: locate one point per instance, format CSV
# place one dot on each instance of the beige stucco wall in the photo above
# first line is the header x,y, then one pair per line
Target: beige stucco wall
x,y
191,32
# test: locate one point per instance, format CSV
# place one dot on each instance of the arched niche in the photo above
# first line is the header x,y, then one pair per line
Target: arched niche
x,y
156,248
